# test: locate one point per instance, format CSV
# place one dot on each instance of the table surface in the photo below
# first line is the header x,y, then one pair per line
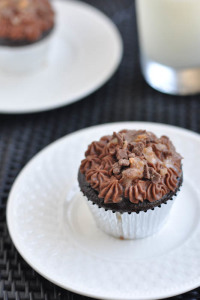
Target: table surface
x,y
126,97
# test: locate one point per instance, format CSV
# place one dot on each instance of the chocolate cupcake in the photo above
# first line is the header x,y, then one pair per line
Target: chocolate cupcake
x,y
25,29
131,179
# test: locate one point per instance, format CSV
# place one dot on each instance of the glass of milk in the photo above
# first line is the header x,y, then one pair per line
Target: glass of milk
x,y
169,37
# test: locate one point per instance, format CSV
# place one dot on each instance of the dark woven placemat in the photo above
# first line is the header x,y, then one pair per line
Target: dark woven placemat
x,y
125,97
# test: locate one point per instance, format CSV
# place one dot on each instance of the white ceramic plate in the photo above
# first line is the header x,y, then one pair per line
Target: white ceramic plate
x,y
54,231
85,51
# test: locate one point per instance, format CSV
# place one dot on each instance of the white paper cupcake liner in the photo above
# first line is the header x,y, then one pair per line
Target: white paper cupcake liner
x,y
131,226
26,58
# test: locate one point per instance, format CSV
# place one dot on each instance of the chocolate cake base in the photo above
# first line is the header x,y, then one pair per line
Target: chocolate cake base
x,y
19,43
125,205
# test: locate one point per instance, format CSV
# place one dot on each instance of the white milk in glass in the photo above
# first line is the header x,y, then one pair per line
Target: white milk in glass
x,y
169,34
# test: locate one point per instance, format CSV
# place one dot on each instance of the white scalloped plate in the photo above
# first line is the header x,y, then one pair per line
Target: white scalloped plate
x,y
85,52
54,231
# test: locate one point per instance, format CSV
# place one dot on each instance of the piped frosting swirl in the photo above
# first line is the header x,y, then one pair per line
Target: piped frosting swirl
x,y
132,164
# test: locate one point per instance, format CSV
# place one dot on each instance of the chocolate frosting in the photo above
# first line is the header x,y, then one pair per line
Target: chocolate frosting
x,y
133,165
25,19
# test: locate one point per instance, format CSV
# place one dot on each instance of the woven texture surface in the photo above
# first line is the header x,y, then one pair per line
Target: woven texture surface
x,y
125,97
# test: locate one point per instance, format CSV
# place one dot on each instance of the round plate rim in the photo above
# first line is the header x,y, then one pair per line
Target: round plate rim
x,y
95,87
178,291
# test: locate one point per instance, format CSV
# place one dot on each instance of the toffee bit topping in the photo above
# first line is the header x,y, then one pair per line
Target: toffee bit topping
x,y
154,176
119,137
137,148
141,137
163,172
150,155
121,154
134,172
146,173
150,173
161,151
124,162
131,155
132,164
23,4
116,168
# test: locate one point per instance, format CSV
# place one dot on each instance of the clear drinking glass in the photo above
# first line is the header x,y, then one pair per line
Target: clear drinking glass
x,y
169,37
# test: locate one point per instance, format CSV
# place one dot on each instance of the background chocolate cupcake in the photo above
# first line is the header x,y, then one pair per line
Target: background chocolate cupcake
x,y
25,29
23,22
130,179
